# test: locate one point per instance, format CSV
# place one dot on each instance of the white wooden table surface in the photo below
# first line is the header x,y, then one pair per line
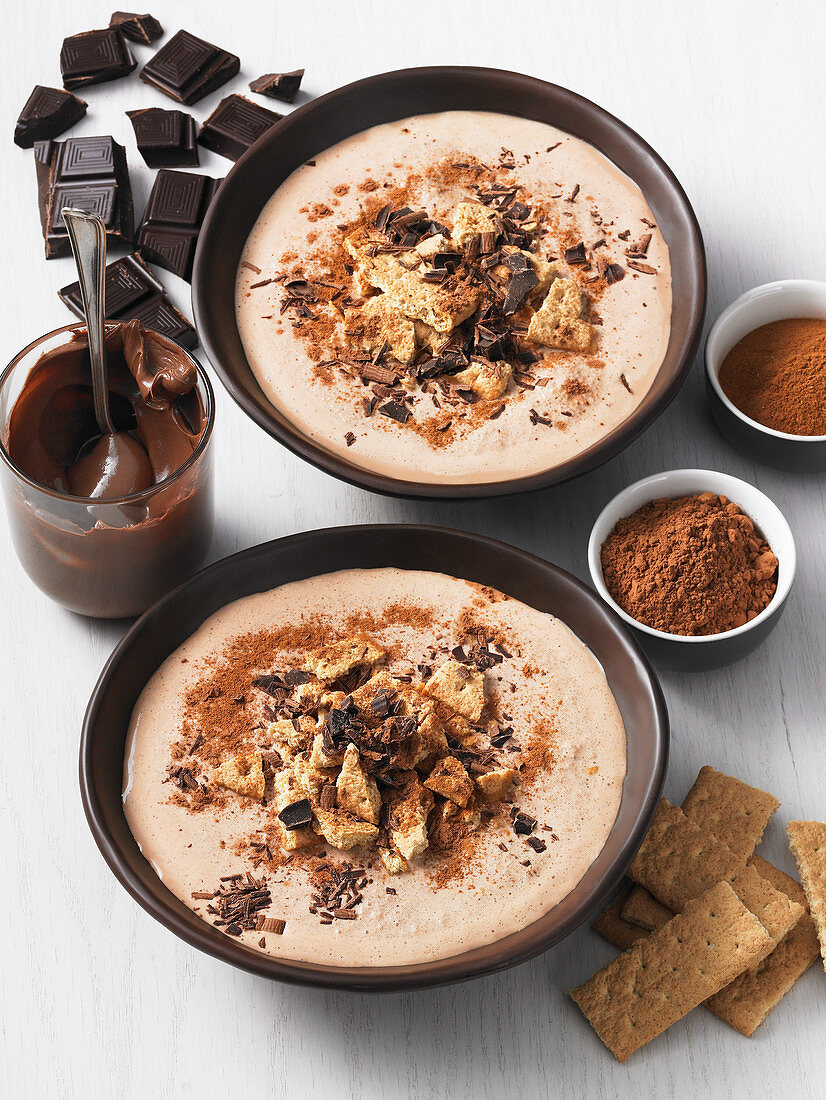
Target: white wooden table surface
x,y
98,999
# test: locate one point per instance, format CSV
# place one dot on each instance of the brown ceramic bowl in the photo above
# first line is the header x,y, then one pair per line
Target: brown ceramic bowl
x,y
385,98
165,626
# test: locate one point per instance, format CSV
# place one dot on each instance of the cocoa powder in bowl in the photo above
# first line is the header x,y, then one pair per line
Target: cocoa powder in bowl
x,y
694,566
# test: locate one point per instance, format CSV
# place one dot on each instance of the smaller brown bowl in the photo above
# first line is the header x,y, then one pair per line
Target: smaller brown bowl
x,y
331,118
169,623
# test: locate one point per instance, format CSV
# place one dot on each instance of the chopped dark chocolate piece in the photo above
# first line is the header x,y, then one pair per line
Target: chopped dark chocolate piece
x,y
177,206
520,286
535,843
396,411
138,28
234,125
270,924
132,291
576,255
187,68
88,173
165,139
48,113
95,56
297,815
523,823
283,86
613,273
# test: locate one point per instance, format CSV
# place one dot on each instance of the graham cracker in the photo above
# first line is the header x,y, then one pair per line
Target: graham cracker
x,y
773,908
746,1002
644,910
807,840
678,861
613,928
731,810
663,977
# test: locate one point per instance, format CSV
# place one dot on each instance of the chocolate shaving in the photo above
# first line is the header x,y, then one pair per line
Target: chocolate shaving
x,y
297,815
395,411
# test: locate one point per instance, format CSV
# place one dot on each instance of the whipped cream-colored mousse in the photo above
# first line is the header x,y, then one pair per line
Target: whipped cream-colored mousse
x,y
374,767
462,297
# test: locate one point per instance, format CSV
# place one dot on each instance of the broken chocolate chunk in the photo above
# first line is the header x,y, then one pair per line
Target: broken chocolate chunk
x,y
523,823
576,255
395,411
94,57
138,28
283,86
48,113
165,139
520,286
297,815
535,843
613,273
234,125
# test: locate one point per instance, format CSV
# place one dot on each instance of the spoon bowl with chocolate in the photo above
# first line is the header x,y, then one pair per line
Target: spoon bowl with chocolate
x,y
765,361
698,563
374,758
451,282
107,523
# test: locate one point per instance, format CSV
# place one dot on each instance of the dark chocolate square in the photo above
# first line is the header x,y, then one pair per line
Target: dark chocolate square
x,y
87,173
165,139
234,125
188,68
132,291
177,206
95,56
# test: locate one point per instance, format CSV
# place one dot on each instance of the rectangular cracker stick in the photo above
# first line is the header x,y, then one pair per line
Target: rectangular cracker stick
x,y
807,840
660,979
611,926
642,909
746,1002
729,809
678,860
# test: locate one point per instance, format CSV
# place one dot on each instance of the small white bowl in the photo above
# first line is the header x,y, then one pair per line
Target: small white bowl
x,y
777,301
677,651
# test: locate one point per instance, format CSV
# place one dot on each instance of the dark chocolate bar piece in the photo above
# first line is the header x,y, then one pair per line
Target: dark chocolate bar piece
x,y
187,68
48,113
234,125
95,56
137,28
283,86
133,291
88,173
166,139
177,206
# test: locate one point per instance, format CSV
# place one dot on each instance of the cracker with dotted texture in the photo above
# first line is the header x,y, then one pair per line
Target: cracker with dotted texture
x,y
678,860
807,840
729,809
663,977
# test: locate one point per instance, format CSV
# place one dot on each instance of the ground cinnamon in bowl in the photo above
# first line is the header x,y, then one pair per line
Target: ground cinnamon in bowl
x,y
693,566
776,375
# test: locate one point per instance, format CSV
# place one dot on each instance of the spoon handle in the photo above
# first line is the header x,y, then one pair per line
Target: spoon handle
x,y
88,239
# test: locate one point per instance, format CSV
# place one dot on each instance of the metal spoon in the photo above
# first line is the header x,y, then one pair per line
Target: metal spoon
x,y
115,464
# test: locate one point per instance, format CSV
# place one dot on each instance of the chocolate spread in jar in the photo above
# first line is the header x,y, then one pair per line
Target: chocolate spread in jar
x,y
111,557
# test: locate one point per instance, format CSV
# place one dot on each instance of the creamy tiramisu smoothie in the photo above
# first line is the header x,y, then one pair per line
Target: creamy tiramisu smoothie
x,y
375,767
461,297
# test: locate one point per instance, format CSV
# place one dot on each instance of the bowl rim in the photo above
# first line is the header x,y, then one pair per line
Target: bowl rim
x,y
376,86
785,581
635,675
765,290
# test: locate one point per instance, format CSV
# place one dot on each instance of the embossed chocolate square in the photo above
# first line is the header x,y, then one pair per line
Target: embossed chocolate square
x,y
187,68
94,57
177,206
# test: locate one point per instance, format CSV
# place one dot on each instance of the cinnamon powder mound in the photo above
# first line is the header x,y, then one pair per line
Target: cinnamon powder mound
x,y
693,566
777,375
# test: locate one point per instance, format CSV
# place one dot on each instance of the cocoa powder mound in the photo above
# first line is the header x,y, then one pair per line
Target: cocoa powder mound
x,y
692,566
